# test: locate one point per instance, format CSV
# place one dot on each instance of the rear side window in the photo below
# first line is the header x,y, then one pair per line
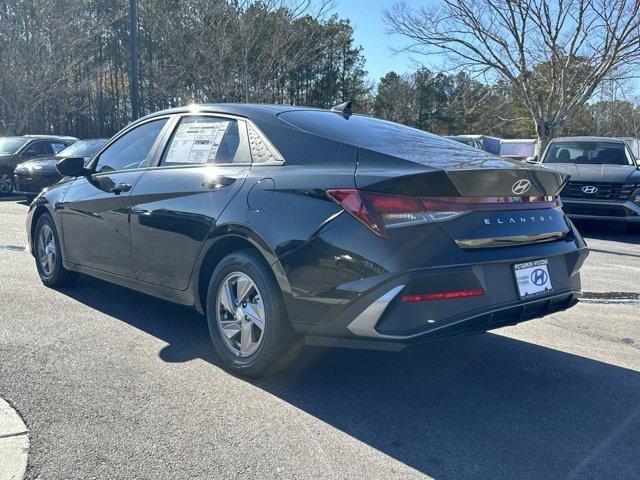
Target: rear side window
x,y
132,149
58,146
202,139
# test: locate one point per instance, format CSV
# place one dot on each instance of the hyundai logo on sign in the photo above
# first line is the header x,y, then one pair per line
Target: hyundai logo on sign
x,y
539,277
589,189
521,186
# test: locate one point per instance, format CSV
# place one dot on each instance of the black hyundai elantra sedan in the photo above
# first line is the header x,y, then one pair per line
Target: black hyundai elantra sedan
x,y
288,226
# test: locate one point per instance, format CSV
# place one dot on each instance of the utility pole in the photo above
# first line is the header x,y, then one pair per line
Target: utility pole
x,y
133,66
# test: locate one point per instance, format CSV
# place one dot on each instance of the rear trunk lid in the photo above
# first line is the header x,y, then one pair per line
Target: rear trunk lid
x,y
502,222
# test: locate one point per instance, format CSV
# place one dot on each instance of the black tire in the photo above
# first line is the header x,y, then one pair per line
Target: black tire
x,y
633,228
58,276
6,183
279,345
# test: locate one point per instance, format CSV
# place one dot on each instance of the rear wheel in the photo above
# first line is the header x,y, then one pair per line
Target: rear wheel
x,y
46,250
247,318
6,184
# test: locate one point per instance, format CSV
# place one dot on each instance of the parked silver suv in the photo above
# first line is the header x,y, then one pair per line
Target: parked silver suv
x,y
604,179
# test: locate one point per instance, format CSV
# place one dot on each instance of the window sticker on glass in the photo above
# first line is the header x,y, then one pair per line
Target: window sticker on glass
x,y
196,142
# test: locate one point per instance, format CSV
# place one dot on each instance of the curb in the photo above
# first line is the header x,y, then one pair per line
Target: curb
x,y
14,443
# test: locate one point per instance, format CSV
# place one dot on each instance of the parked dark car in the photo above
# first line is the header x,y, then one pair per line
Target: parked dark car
x,y
288,225
15,150
605,179
32,176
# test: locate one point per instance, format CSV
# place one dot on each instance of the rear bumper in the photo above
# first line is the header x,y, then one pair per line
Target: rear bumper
x,y
379,319
602,210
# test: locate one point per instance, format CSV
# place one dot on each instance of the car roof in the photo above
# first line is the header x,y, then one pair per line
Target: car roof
x,y
588,139
252,111
48,137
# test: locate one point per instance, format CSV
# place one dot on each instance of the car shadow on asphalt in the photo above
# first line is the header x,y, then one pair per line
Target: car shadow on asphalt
x,y
607,231
486,406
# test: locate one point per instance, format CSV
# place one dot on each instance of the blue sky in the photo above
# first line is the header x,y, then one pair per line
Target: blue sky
x,y
369,32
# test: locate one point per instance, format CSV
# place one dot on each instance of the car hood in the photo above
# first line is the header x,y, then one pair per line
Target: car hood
x,y
46,163
597,173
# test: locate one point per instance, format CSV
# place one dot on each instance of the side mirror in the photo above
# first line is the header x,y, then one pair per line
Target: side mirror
x,y
71,167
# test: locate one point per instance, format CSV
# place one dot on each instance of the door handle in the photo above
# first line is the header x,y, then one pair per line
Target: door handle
x,y
118,188
218,182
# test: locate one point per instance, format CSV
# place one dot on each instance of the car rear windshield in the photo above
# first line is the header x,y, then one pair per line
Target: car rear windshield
x,y
356,129
82,149
387,138
9,146
588,153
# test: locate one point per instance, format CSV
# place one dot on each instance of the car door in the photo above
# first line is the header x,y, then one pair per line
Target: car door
x,y
176,203
95,209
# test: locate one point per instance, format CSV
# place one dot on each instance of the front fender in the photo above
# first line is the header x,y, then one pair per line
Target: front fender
x,y
49,201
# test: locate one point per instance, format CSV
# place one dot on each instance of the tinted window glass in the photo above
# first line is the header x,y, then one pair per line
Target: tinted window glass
x,y
588,153
388,138
132,149
38,148
199,140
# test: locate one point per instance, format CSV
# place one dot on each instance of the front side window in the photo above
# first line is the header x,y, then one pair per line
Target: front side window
x,y
202,139
38,148
132,149
588,153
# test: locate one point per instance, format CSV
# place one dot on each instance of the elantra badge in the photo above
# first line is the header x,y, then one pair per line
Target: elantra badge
x,y
590,189
521,186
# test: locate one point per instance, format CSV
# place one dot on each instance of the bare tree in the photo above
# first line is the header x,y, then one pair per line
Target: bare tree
x,y
553,53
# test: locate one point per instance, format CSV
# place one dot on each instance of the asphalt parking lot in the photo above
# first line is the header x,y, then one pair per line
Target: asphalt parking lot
x,y
115,384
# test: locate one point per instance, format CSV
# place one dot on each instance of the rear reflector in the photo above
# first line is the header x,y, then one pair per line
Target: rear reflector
x,y
421,297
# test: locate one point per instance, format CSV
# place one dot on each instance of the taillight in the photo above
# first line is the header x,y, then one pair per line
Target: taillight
x,y
379,211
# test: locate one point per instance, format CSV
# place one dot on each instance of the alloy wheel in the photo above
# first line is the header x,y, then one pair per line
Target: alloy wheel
x,y
240,314
6,183
47,250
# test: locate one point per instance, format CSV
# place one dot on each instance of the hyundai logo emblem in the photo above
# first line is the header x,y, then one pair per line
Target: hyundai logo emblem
x,y
539,277
589,189
521,186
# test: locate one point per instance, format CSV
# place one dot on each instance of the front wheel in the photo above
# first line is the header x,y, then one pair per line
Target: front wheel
x,y
6,184
247,318
46,250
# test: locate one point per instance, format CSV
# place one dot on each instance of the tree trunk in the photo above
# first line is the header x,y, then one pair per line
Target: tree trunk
x,y
545,135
